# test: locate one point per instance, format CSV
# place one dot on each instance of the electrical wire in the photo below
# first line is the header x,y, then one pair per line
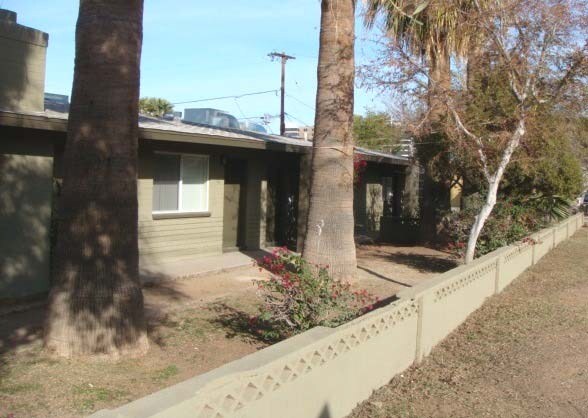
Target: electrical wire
x,y
296,119
301,102
236,96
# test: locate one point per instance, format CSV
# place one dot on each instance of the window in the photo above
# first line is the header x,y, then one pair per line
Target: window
x,y
180,183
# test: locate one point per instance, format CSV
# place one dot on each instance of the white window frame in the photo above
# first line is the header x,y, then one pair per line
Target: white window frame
x,y
180,184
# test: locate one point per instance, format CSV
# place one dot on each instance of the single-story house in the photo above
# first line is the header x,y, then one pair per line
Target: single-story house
x,y
202,190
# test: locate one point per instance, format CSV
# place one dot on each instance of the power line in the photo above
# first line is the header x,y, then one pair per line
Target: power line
x,y
297,120
239,107
301,102
237,96
259,117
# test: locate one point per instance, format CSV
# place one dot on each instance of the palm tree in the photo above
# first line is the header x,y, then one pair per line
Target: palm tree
x,y
330,225
431,30
155,106
96,303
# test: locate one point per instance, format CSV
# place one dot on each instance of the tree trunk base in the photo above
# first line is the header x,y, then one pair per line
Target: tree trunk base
x,y
96,326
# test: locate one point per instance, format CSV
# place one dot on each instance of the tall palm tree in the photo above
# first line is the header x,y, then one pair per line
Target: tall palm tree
x,y
330,225
96,303
431,30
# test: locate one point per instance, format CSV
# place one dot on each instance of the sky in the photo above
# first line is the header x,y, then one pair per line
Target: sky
x,y
194,49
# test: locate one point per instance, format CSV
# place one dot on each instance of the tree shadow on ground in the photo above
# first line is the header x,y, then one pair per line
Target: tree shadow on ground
x,y
237,323
381,276
21,330
423,263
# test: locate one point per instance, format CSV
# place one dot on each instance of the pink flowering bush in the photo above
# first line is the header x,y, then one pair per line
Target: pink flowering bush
x,y
299,296
359,167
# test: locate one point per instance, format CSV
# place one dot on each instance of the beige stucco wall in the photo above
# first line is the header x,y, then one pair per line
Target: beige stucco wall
x,y
22,72
324,373
170,239
544,243
515,261
560,233
26,189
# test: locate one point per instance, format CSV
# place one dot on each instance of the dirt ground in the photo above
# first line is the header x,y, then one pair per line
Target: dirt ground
x,y
195,325
523,354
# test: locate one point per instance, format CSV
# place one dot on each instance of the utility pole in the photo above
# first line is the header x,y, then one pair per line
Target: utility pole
x,y
284,58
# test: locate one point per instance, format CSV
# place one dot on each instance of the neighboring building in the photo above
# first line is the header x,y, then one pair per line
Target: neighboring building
x,y
249,125
212,117
56,102
22,72
202,189
300,132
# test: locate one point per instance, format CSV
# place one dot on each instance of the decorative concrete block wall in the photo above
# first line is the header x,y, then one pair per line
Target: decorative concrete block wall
x,y
543,243
325,373
561,232
516,260
446,300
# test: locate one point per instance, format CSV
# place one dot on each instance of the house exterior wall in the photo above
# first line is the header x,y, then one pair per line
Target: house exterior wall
x,y
178,237
26,188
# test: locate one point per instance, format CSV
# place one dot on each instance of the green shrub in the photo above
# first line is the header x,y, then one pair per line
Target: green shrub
x,y
510,221
299,296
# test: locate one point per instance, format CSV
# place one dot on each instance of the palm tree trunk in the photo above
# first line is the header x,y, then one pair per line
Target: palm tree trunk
x,y
96,303
330,226
435,192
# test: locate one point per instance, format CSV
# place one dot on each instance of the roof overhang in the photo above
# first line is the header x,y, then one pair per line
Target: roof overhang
x,y
59,124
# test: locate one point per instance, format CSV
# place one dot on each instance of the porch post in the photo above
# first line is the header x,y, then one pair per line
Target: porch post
x,y
255,205
303,198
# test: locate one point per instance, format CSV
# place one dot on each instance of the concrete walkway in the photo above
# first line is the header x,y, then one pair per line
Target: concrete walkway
x,y
183,268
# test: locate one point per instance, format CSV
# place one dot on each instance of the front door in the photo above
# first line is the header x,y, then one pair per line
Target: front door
x,y
235,174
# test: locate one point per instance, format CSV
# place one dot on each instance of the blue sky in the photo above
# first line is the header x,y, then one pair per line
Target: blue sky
x,y
197,49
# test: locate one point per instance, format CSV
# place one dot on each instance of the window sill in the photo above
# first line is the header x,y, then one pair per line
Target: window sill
x,y
176,215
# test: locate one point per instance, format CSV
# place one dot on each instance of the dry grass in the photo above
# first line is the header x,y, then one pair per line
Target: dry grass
x,y
523,354
194,326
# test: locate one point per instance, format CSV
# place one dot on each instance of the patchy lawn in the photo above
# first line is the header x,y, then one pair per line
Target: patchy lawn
x,y
523,354
195,325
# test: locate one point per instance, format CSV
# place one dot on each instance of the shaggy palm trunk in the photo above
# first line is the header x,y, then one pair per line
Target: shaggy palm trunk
x,y
96,304
435,192
330,226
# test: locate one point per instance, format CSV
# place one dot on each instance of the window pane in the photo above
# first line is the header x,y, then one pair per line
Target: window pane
x,y
194,179
166,179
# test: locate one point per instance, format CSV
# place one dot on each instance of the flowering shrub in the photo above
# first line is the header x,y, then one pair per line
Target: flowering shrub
x,y
299,296
359,166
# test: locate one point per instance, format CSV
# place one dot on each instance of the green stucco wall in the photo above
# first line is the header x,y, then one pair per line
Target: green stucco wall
x,y
26,188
